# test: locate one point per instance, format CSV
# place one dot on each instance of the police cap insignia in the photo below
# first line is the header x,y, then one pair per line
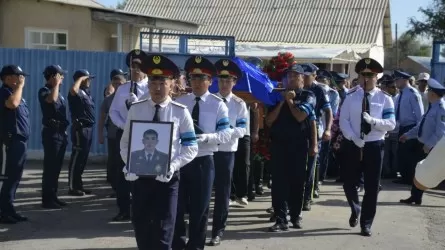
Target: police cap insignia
x,y
157,59
198,59
367,61
137,52
225,63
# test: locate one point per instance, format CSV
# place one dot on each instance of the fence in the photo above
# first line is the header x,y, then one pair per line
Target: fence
x,y
33,62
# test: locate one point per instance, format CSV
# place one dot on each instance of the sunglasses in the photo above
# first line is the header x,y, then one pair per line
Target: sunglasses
x,y
368,74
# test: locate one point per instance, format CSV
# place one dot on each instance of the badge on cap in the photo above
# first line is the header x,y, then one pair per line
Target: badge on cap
x,y
157,59
137,52
198,59
367,61
226,63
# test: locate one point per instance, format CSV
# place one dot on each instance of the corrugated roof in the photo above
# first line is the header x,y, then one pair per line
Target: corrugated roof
x,y
291,21
85,3
424,61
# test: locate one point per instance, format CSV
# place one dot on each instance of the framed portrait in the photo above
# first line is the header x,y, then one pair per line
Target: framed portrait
x,y
149,148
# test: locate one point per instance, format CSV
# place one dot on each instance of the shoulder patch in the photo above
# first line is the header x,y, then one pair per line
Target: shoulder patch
x,y
178,104
386,93
237,99
217,97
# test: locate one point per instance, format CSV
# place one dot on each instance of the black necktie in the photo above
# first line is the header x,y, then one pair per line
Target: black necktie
x,y
156,116
398,105
148,159
419,132
195,111
365,127
224,99
135,89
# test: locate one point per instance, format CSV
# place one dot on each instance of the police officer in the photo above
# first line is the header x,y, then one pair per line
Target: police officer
x,y
323,133
324,78
81,107
409,110
54,135
14,135
155,198
211,119
366,115
428,131
117,77
228,72
341,81
292,133
133,90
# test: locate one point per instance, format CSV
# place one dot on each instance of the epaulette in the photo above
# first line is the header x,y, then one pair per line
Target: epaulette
x,y
352,90
140,101
217,97
237,99
386,93
178,104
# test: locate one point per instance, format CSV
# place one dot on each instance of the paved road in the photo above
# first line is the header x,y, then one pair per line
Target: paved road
x,y
85,223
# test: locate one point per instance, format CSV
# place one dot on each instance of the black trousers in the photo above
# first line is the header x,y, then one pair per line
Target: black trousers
x,y
241,168
371,167
154,212
405,158
123,188
289,162
419,155
81,139
112,161
54,148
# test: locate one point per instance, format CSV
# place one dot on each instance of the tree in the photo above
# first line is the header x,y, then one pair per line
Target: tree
x,y
408,45
434,21
121,4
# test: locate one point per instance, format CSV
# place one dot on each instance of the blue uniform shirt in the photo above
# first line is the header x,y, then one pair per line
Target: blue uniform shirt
x,y
431,127
52,111
13,122
286,128
82,107
411,108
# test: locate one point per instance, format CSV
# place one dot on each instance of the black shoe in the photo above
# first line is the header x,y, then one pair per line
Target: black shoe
x,y
269,210
7,219
122,217
297,224
316,194
76,192
272,218
278,227
307,206
359,189
366,232
51,205
259,190
353,221
250,197
411,200
216,241
86,191
60,202
19,217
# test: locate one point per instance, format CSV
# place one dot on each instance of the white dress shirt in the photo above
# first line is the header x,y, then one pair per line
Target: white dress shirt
x,y
213,120
381,107
118,109
238,118
184,146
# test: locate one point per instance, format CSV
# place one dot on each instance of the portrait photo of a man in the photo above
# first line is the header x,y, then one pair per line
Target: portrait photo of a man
x,y
149,160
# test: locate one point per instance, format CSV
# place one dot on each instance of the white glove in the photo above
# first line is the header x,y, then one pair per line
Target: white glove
x,y
368,118
202,138
358,142
132,98
168,177
129,176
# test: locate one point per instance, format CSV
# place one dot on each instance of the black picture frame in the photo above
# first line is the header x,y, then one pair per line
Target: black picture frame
x,y
160,160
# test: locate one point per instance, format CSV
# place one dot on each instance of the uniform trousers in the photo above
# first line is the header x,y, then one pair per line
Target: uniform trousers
x,y
13,158
289,161
311,174
241,168
390,155
224,162
406,162
418,155
113,159
195,190
81,139
371,167
123,187
54,148
153,209
323,159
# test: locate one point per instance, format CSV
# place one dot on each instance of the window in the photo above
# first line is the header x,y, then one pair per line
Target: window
x,y
46,39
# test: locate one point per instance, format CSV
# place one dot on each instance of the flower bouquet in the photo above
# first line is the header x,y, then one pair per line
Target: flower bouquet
x,y
277,65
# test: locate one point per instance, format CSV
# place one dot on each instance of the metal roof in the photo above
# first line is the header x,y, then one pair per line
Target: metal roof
x,y
84,3
424,61
289,21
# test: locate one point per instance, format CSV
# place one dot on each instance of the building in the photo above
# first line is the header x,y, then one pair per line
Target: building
x,y
416,64
76,25
330,28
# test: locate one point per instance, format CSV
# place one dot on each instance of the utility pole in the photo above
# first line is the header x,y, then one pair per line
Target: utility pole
x,y
397,48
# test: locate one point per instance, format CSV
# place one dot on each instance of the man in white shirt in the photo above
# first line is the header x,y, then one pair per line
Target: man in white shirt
x,y
365,117
124,96
422,84
211,119
155,198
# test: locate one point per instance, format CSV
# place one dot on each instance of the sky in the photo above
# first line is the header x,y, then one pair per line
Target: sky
x,y
401,10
